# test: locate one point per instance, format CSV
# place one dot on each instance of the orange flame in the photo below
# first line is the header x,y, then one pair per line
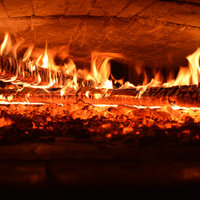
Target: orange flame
x,y
194,66
99,73
101,68
186,76
27,53
7,48
3,45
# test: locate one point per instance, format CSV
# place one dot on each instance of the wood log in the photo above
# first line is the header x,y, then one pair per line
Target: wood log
x,y
184,96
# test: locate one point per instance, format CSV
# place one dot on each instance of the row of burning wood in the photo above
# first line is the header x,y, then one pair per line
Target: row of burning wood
x,y
15,71
185,96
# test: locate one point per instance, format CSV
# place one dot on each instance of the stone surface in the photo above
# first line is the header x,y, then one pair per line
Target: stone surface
x,y
3,13
173,12
77,7
45,8
18,8
63,7
134,7
107,8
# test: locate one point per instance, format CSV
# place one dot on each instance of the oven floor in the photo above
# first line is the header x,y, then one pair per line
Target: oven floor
x,y
85,164
44,148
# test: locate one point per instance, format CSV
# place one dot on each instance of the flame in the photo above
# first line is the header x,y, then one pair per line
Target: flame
x,y
87,94
46,62
3,45
27,53
186,76
8,48
194,66
99,74
101,71
100,68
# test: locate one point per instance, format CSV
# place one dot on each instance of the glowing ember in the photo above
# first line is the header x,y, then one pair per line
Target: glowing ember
x,y
108,121
104,105
5,122
23,103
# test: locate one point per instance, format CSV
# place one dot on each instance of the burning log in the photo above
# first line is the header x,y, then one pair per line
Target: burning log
x,y
94,86
187,96
27,73
184,96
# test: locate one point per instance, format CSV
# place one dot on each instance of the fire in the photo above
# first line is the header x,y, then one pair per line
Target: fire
x,y
99,74
28,54
101,71
37,78
43,73
3,45
61,91
186,76
190,75
194,66
8,48
45,60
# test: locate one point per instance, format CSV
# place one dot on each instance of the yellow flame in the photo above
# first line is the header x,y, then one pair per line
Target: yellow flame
x,y
7,48
194,66
101,68
46,61
27,53
186,76
87,94
3,45
99,73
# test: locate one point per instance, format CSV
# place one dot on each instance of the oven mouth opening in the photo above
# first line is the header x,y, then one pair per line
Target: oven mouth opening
x,y
47,80
99,94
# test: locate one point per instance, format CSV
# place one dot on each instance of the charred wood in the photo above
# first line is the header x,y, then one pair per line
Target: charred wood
x,y
187,96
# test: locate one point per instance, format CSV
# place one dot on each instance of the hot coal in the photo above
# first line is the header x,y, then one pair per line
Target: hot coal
x,y
25,123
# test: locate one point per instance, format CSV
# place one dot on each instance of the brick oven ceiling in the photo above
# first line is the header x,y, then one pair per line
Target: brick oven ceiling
x,y
153,32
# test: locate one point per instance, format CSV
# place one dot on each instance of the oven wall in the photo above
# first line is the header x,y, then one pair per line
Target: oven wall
x,y
150,32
